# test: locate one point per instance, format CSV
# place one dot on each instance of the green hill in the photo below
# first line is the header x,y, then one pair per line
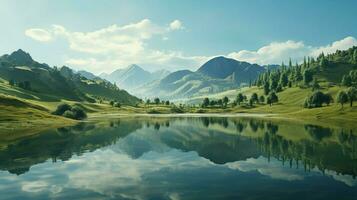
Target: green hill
x,y
39,81
328,74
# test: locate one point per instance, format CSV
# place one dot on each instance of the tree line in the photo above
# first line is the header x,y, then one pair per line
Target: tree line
x,y
241,100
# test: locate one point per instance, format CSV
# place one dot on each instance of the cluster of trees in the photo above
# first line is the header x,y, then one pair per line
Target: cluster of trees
x,y
350,79
270,99
68,111
115,104
242,99
288,76
220,102
303,74
317,99
21,84
347,96
157,101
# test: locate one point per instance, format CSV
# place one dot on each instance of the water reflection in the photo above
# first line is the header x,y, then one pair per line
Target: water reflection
x,y
182,158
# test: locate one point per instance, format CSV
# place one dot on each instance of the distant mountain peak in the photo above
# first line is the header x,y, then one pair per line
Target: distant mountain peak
x,y
134,66
21,57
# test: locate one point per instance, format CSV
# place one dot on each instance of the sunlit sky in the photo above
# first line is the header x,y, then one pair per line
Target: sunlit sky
x,y
101,36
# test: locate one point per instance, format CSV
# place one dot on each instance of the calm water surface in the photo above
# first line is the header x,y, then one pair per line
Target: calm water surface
x,y
181,158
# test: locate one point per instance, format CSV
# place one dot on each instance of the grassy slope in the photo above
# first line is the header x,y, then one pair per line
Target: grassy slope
x,y
25,118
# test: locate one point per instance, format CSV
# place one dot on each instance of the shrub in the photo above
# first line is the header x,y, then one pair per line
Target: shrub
x,y
68,111
317,99
62,108
68,114
272,98
78,113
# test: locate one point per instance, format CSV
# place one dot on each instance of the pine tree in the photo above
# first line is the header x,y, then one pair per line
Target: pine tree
x,y
354,57
346,81
266,88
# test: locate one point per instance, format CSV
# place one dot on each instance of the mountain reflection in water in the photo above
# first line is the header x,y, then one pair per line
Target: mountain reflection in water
x,y
182,158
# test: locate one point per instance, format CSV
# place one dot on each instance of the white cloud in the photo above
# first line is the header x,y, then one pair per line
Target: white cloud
x,y
343,44
276,52
126,172
274,169
273,53
39,34
115,46
34,186
118,46
176,25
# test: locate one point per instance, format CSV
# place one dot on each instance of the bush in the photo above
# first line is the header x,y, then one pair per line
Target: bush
x,y
62,108
68,111
317,99
68,114
78,113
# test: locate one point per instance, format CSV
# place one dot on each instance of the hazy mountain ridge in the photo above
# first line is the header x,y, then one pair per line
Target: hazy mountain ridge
x,y
216,75
133,76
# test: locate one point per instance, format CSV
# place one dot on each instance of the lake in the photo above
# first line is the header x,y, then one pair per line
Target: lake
x,y
181,158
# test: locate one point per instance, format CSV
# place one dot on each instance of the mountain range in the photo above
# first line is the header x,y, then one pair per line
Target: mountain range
x,y
216,75
133,76
34,80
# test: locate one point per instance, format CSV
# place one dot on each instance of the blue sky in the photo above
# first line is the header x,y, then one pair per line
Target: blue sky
x,y
100,36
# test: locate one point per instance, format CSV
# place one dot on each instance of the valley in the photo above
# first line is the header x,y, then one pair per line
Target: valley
x,y
176,93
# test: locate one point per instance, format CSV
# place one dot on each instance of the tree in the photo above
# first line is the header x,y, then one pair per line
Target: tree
x,y
250,102
254,97
156,100
307,76
117,104
27,85
272,98
213,103
266,88
352,95
262,99
167,102
346,81
284,79
279,88
290,84
354,57
317,99
315,85
205,102
323,62
111,103
342,98
220,102
12,82
225,101
328,99
61,108
78,113
240,98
